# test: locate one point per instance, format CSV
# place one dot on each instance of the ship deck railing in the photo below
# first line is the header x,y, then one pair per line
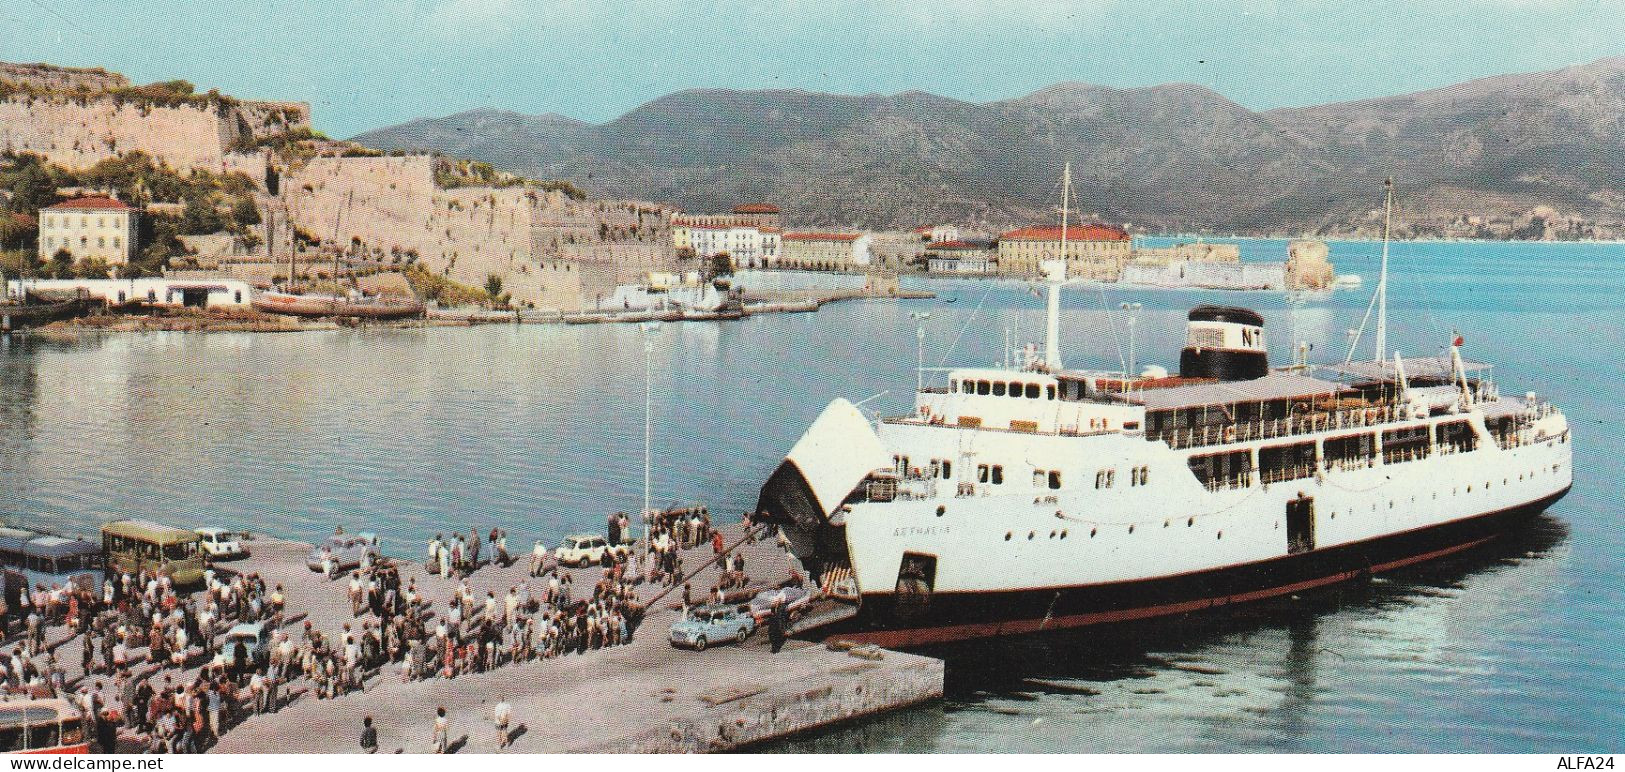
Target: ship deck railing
x,y
1196,437
1244,480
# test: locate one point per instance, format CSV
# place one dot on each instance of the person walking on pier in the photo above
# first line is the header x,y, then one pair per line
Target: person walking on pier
x,y
501,715
778,622
538,558
369,736
442,728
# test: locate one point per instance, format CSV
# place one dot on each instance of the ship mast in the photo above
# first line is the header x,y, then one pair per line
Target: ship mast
x,y
1055,275
1382,277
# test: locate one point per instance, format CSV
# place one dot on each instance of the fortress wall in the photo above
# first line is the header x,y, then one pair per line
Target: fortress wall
x,y
54,78
77,132
550,251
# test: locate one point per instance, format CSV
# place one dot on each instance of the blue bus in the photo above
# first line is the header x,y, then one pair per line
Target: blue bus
x,y
49,560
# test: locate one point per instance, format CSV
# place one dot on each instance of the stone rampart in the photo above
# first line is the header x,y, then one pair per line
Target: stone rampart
x,y
550,251
78,131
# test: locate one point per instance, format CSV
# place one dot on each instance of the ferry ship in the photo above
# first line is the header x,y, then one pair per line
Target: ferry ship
x,y
1032,498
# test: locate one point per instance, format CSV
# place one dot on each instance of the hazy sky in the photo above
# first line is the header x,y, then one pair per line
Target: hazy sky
x,y
368,64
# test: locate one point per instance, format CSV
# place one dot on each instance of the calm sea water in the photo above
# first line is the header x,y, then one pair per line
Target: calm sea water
x,y
539,430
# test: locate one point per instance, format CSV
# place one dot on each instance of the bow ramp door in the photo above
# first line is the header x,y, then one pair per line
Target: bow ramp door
x,y
836,454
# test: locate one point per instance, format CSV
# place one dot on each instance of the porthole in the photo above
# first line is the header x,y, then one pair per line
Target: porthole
x,y
1131,529
1052,534
1165,524
1190,522
1007,536
1063,533
942,511
1030,535
1220,535
1092,532
1334,515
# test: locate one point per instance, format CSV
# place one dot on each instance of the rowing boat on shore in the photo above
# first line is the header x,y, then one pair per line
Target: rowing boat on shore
x,y
360,306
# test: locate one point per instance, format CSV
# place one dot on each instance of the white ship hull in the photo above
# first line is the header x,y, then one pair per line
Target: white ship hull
x,y
1033,559
948,525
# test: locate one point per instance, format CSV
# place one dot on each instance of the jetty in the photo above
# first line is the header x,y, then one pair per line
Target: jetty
x,y
645,696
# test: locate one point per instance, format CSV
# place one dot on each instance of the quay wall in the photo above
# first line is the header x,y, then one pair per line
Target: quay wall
x,y
1208,275
830,697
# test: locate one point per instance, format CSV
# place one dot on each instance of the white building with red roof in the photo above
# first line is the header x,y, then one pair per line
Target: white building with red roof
x,y
89,227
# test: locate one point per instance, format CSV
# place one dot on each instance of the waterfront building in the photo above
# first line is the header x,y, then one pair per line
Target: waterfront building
x,y
826,251
749,246
198,293
89,227
761,215
1092,251
960,256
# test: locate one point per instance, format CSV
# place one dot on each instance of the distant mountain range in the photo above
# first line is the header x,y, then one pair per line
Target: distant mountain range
x,y
1175,157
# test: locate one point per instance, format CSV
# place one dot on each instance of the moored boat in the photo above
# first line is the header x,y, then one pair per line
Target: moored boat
x,y
323,305
1032,498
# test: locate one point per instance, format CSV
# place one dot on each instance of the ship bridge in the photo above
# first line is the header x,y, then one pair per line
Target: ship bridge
x,y
1071,402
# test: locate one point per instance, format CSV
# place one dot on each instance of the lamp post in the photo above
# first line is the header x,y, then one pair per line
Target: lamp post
x,y
919,318
649,328
1133,310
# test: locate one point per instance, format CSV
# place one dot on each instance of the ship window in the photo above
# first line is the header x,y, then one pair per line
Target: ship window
x,y
1456,435
1032,391
981,473
1015,390
1408,444
1038,478
1054,480
1049,392
998,388
982,388
998,474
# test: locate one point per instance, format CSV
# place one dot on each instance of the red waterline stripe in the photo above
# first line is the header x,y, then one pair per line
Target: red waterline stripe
x,y
930,635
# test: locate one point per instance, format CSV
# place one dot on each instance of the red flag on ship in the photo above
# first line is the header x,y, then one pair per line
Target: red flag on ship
x,y
1459,341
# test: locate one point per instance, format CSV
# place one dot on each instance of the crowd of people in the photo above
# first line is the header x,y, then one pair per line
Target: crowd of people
x,y
158,663
137,634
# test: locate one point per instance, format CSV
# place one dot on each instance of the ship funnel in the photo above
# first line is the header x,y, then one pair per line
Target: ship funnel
x,y
1224,342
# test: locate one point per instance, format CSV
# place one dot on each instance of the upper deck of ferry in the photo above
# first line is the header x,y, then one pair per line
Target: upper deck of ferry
x,y
1189,412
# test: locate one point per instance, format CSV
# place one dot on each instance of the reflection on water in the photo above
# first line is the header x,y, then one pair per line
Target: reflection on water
x,y
539,430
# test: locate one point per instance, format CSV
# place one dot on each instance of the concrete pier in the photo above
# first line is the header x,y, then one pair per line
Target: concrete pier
x,y
645,696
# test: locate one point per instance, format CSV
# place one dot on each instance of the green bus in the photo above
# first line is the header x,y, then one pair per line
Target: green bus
x,y
142,545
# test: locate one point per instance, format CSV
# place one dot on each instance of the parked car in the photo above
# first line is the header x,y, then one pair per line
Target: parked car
x,y
347,551
795,600
221,544
255,636
716,623
585,550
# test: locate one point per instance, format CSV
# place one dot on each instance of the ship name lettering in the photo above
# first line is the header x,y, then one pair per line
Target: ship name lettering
x,y
915,531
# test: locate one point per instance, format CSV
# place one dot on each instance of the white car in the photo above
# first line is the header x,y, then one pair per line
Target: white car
x,y
586,550
221,544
